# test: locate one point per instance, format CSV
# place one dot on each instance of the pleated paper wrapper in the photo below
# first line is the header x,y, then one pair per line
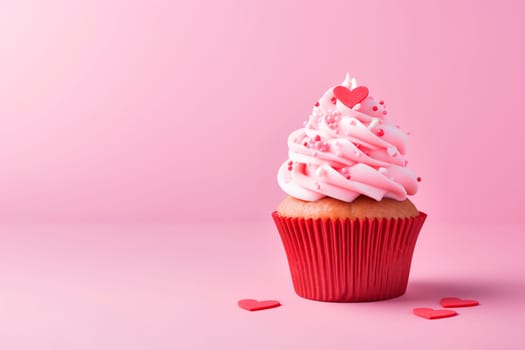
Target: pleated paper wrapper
x,y
349,260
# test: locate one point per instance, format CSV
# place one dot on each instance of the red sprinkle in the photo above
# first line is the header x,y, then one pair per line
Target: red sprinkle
x,y
418,179
380,132
374,108
384,112
305,144
334,100
317,104
381,102
317,138
290,168
256,305
457,302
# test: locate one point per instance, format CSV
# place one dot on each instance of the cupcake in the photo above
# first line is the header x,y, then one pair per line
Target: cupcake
x,y
347,225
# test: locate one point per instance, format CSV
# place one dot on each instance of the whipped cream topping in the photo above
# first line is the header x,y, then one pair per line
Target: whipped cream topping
x,y
348,148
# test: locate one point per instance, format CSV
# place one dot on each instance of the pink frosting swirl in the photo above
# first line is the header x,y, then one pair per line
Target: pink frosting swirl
x,y
347,148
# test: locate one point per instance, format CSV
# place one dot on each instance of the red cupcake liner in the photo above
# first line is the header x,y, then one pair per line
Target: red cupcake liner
x,y
349,259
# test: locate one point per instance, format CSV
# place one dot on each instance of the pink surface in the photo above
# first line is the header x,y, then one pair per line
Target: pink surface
x,y
178,111
177,287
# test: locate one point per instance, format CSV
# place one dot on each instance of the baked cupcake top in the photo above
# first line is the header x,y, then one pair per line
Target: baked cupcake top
x,y
347,148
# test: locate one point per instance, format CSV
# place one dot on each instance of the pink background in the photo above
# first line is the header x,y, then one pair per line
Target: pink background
x,y
139,145
178,111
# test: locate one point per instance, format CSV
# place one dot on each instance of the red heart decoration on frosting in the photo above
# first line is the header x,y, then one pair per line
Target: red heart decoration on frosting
x,y
350,97
255,305
457,302
432,314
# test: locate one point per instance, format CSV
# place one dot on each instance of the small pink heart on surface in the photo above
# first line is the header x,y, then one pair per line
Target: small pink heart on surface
x,y
255,305
457,302
432,314
350,97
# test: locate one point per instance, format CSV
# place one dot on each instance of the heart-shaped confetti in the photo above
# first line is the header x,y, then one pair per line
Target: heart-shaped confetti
x,y
432,314
350,97
256,305
457,302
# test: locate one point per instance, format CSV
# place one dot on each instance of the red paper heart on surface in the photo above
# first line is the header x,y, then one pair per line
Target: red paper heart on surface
x,y
432,314
457,302
255,305
350,97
